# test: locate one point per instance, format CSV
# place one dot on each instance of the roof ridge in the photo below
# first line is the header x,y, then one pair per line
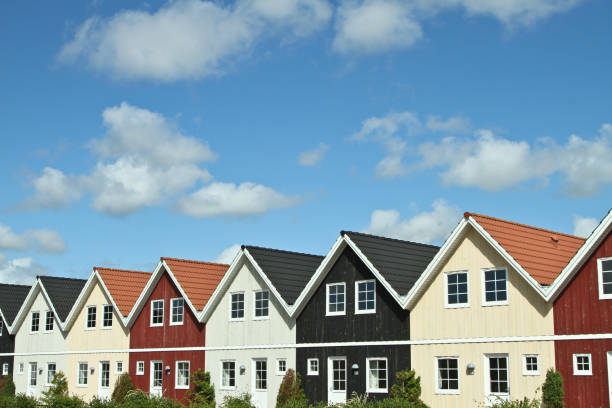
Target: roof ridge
x,y
60,277
163,258
388,238
281,250
15,285
469,214
120,270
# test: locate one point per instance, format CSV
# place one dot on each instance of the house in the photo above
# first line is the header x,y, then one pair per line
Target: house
x,y
480,320
166,336
582,298
352,312
249,324
40,339
97,338
11,299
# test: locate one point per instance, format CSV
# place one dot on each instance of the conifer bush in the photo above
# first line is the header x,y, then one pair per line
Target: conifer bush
x,y
203,393
552,391
290,389
7,386
123,386
407,386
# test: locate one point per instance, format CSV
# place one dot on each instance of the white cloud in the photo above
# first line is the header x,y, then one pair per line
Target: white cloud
x,y
43,240
19,271
54,190
187,39
314,156
456,124
583,226
425,227
10,240
228,199
228,254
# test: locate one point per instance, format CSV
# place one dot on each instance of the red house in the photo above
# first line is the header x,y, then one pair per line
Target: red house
x,y
582,298
166,335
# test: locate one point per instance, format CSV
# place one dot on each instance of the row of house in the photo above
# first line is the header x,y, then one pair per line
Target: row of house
x,y
480,318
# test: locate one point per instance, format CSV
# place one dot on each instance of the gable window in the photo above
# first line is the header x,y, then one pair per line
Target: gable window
x,y
365,296
182,375
313,366
262,299
336,299
498,383
119,367
228,375
495,287
51,368
237,306
457,289
35,322
281,366
582,364
177,311
157,312
49,321
604,272
447,381
531,364
91,317
140,368
5,369
107,316
82,374
376,377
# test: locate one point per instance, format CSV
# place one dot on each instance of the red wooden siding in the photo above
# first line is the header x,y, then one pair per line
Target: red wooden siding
x,y
190,334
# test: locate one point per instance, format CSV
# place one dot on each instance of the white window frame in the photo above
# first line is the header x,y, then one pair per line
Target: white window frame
x,y
367,311
140,370
172,312
327,312
53,321
255,292
484,292
86,383
456,305
437,377
176,375
1,326
227,387
575,364
117,364
369,389
531,372
237,319
602,295
5,369
20,368
104,327
494,396
162,315
278,371
32,320
87,318
308,368
49,383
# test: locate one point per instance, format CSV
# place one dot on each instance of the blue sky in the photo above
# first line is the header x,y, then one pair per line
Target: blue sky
x,y
134,130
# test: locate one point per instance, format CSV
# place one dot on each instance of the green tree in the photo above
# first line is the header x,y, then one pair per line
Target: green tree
x,y
290,389
123,386
203,392
59,388
7,386
552,391
407,386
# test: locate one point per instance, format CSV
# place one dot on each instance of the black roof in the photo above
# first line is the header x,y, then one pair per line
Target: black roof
x,y
11,299
288,271
401,263
63,292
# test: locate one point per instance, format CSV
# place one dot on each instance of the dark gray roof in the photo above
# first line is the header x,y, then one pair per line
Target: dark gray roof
x,y
399,262
289,272
63,292
11,299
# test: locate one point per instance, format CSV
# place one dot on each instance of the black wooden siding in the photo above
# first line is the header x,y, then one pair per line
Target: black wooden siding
x,y
7,345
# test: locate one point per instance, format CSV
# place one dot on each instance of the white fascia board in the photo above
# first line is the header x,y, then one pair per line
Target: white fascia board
x,y
25,306
78,305
181,291
5,322
144,295
109,296
268,283
221,288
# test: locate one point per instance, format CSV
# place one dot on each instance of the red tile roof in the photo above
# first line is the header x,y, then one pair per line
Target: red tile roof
x,y
542,253
124,286
198,279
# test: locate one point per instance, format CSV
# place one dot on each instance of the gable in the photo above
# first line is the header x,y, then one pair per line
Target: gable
x,y
63,293
124,286
11,300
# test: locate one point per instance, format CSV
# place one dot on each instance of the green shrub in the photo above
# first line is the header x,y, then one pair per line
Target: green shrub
x,y
407,386
139,399
399,403
59,388
524,403
242,401
64,401
18,401
103,403
552,391
123,386
203,393
290,389
7,386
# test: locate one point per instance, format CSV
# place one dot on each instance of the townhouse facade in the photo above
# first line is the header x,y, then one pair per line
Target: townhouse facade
x,y
11,299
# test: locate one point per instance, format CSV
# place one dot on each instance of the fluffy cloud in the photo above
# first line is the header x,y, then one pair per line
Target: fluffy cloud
x,y
425,227
228,199
312,157
228,254
43,240
187,39
456,124
54,190
583,226
19,271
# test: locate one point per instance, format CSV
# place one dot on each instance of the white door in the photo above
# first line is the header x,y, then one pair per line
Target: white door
x,y
104,382
32,379
610,377
336,380
260,382
157,378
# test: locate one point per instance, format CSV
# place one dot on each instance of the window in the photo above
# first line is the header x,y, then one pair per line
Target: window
x,y
281,366
336,299
261,375
49,321
228,375
365,296
447,381
604,269
182,375
497,382
313,366
5,369
119,367
178,311
82,374
51,367
158,374
91,317
262,299
157,312
457,289
495,288
140,368
338,367
376,377
107,316
33,374
20,368
237,306
35,322
105,374
531,364
582,364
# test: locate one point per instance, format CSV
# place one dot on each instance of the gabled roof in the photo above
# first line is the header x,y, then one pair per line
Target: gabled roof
x,y
11,299
124,286
542,253
63,292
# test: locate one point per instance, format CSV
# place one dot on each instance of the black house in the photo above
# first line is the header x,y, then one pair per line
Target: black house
x,y
11,299
356,299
